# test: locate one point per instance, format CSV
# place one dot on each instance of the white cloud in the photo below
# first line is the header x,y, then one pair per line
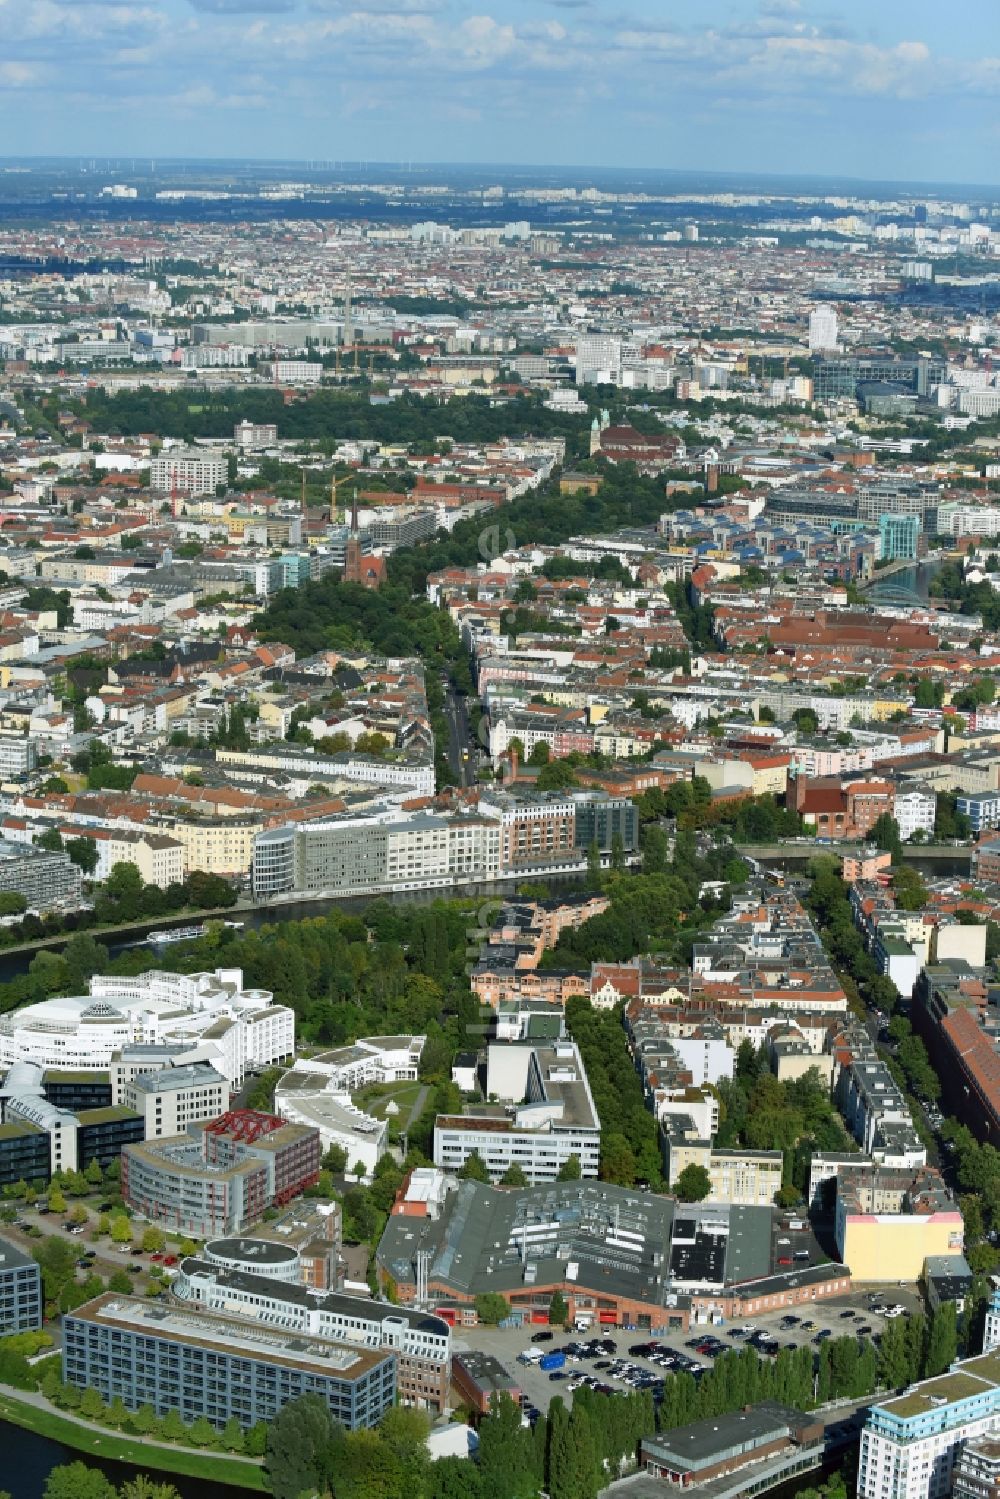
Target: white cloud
x,y
243,7
17,74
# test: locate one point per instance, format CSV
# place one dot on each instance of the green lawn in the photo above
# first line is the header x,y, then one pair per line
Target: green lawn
x,y
115,1447
374,1100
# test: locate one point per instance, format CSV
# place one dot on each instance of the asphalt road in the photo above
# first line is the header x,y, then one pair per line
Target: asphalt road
x,y
461,740
110,1256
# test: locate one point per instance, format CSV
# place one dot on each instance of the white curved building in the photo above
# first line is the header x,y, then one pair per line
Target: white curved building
x,y
317,1091
210,1015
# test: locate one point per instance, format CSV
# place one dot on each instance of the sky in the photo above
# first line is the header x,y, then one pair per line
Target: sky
x,y
884,89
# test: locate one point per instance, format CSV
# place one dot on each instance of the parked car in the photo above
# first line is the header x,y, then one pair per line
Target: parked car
x,y
543,1337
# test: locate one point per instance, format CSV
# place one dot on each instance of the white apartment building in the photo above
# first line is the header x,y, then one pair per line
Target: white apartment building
x,y
310,1097
822,329
914,810
909,1444
954,519
598,360
253,436
980,403
188,471
991,1333
546,1114
709,1058
416,853
210,1015
372,1059
159,859
18,755
173,1097
384,851
296,372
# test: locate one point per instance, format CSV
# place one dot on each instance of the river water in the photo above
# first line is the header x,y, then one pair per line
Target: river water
x,y
28,1460
14,963
916,579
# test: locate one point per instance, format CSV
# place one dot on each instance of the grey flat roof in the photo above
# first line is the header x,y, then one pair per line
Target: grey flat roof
x,y
488,1372
259,1251
618,1237
170,1079
748,1252
11,1257
704,1442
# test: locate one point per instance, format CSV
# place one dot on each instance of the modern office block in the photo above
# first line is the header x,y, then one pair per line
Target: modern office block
x,y
200,1364
20,1291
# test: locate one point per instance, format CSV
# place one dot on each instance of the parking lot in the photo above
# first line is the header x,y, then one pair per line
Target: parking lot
x,y
603,1357
94,1252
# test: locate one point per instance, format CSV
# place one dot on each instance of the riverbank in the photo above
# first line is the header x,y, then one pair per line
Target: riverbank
x,y
802,850
294,905
32,1413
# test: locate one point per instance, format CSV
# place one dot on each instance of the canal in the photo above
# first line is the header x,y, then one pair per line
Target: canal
x,y
915,580
29,1459
13,963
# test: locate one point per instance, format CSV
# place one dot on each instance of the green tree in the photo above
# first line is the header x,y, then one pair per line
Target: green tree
x,y
83,853
884,834
255,1440
617,1160
513,1176
121,1229
654,850
893,1356
693,1184
145,1421
570,1170
491,1308
91,1405
558,1310
298,1440
77,1481
232,1436
506,1453
942,1340
172,1428
474,1168
144,1487
335,1159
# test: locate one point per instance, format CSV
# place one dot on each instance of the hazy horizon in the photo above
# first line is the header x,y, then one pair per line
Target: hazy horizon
x,y
783,87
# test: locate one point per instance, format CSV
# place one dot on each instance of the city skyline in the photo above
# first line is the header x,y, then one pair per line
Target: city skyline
x,y
776,87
